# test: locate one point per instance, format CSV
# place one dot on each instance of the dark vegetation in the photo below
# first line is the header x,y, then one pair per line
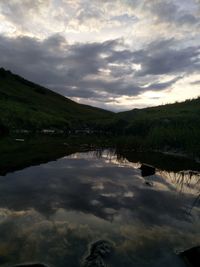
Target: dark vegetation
x,y
172,127
39,149
27,107
18,155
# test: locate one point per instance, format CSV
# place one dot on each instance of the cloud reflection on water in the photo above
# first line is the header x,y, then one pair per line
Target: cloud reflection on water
x,y
51,212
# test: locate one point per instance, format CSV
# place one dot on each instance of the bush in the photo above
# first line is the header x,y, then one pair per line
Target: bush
x,y
3,130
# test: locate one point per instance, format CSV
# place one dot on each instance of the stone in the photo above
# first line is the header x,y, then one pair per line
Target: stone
x,y
147,170
191,256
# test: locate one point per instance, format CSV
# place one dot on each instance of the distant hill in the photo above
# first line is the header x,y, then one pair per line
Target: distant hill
x,y
26,105
167,127
168,110
178,115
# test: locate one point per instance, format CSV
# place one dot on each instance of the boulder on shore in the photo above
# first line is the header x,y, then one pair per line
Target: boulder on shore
x,y
147,169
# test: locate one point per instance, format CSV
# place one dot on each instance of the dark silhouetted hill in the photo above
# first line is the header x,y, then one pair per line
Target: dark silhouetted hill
x,y
26,105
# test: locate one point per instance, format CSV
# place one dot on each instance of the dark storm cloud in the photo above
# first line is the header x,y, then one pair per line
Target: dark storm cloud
x,y
159,59
164,85
56,64
96,70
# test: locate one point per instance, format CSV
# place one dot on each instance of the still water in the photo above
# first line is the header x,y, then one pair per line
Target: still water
x,y
52,212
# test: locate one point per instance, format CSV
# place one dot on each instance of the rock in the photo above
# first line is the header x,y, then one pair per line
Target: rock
x,y
147,169
149,183
99,251
191,256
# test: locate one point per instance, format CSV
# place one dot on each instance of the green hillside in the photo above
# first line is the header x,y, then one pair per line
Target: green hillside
x,y
168,127
25,105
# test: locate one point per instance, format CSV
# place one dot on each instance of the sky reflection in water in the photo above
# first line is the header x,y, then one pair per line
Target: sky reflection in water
x,y
52,212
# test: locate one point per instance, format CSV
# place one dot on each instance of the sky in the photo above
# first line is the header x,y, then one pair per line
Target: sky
x,y
113,54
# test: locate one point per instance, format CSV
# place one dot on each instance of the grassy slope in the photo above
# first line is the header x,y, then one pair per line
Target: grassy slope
x,y
173,126
165,111
24,104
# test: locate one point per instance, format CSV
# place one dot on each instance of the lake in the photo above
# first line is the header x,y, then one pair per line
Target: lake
x,y
52,212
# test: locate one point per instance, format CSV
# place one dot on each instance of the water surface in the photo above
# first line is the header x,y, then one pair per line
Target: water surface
x,y
52,212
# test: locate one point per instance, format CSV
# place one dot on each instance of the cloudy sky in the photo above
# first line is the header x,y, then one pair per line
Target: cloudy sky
x,y
114,54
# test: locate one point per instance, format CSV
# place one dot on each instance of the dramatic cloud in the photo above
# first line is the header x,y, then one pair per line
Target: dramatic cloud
x,y
113,54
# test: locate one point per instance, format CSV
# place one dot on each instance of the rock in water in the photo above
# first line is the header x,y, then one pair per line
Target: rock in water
x,y
99,251
147,170
191,256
